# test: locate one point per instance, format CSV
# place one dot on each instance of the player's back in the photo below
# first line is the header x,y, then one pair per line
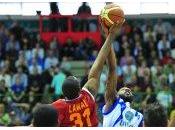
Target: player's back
x,y
79,112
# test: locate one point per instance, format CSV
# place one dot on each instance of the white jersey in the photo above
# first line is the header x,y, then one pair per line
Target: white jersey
x,y
120,114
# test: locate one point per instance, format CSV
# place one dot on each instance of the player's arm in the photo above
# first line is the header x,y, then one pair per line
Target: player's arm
x,y
110,94
95,71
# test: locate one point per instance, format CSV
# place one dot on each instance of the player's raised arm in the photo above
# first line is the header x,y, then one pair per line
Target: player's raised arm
x,y
110,94
95,71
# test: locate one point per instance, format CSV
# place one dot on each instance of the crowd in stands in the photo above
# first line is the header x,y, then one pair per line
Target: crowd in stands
x,y
32,72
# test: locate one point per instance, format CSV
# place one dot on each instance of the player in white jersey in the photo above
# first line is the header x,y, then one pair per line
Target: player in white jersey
x,y
117,111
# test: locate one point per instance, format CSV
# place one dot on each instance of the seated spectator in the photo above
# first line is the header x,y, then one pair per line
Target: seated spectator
x,y
50,60
17,90
162,46
155,116
35,67
165,97
13,44
3,90
69,49
129,72
126,57
38,51
150,97
4,116
23,78
5,76
21,60
45,116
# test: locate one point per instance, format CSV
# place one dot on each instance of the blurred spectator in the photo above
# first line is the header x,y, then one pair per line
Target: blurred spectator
x,y
57,82
127,57
12,44
22,77
155,116
165,97
162,46
4,116
84,9
50,60
159,29
69,49
3,90
5,76
35,67
150,97
21,61
17,90
38,51
54,46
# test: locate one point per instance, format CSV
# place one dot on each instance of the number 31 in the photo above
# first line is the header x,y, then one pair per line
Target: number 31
x,y
77,118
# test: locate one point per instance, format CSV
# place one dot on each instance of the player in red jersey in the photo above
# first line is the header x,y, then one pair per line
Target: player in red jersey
x,y
79,108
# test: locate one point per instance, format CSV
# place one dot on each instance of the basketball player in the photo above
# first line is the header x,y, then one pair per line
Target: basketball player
x,y
79,108
117,111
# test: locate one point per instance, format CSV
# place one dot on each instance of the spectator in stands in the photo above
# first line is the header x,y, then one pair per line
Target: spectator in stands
x,y
35,67
3,90
54,46
50,60
143,75
17,90
38,51
155,116
57,82
69,49
149,33
129,72
127,57
5,76
150,97
21,61
163,46
23,78
165,97
4,116
45,116
84,9
13,45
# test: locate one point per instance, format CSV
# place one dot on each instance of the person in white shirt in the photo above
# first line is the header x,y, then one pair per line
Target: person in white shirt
x,y
117,111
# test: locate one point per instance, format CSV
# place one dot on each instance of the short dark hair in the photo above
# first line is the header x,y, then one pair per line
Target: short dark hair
x,y
45,115
155,115
71,87
126,94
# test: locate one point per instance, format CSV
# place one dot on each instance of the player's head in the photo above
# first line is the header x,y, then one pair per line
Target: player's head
x,y
155,116
71,88
45,116
126,94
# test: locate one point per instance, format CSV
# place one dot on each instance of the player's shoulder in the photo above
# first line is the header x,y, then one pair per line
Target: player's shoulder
x,y
85,92
59,103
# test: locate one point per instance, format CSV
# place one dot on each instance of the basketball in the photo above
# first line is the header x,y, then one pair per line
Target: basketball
x,y
111,14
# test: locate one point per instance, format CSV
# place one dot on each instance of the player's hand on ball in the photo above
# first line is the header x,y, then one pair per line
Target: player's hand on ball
x,y
114,29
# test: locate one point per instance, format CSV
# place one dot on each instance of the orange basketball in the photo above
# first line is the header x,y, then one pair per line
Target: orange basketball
x,y
111,14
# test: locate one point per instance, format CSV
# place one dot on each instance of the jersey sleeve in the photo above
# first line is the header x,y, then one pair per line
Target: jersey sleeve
x,y
86,91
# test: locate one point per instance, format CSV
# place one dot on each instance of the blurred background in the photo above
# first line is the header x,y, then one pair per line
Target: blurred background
x,y
43,43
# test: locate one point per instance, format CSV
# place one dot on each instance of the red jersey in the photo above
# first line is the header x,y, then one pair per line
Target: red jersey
x,y
79,112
